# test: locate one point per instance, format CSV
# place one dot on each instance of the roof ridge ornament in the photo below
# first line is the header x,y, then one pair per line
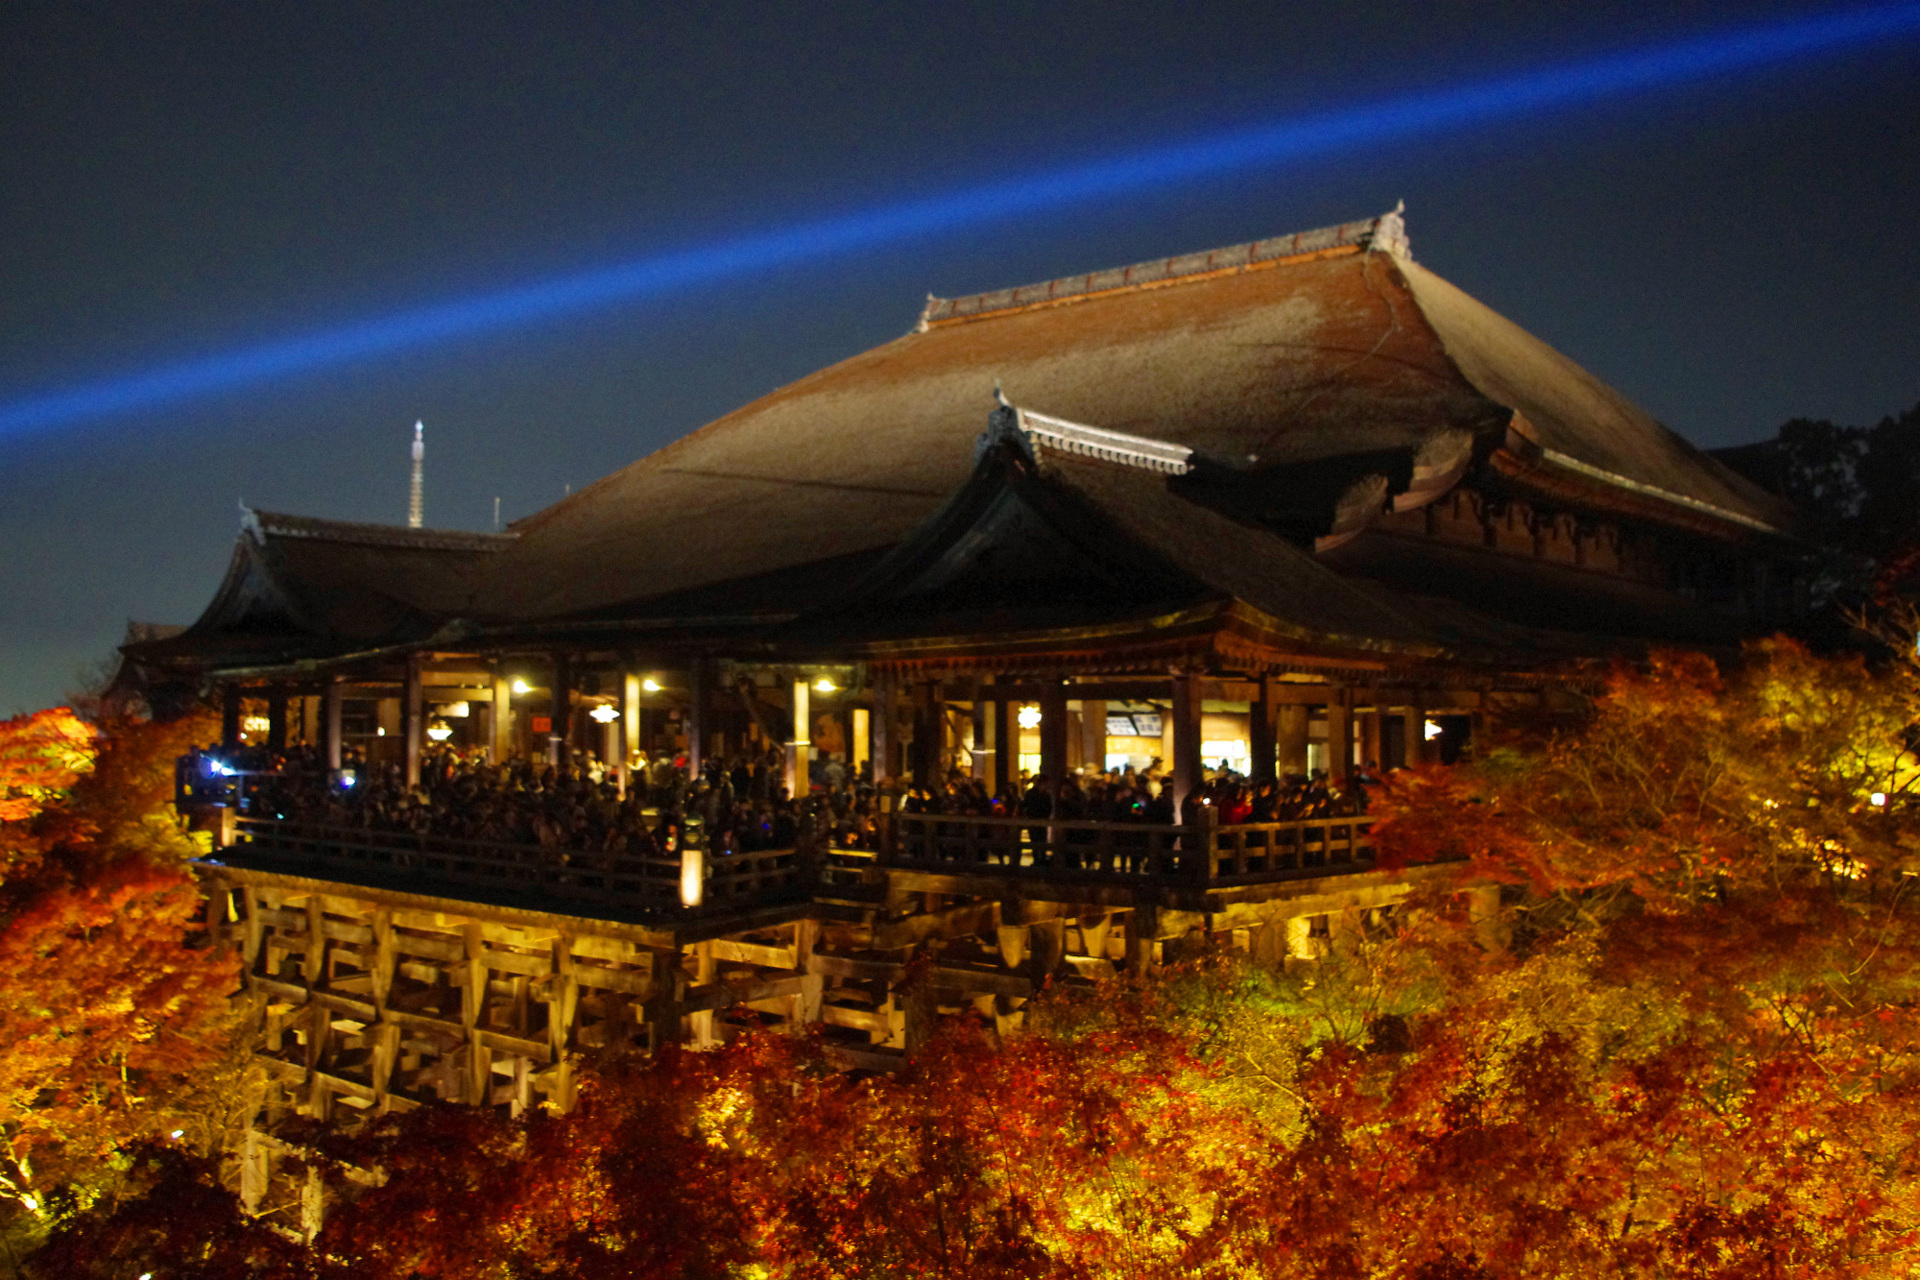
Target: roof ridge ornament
x,y
1030,432
1386,233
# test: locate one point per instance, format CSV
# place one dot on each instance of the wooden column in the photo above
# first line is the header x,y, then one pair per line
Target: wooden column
x,y
981,752
926,733
799,748
559,710
884,692
629,725
563,1003
1339,736
1290,738
1093,732
1186,738
277,717
699,694
474,1015
230,716
500,722
859,741
336,698
1006,732
1263,732
413,721
1053,731
1372,729
1413,733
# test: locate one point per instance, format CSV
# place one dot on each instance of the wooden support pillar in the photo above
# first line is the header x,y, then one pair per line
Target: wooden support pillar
x,y
1268,943
563,1002
1053,732
980,753
884,694
1413,734
800,746
277,718
1047,940
1143,928
1186,739
1094,931
473,1008
1372,725
1339,736
413,720
1263,733
807,1005
230,716
336,698
253,1171
629,727
1006,756
500,719
1093,733
699,694
926,734
560,710
859,741
700,1025
1290,738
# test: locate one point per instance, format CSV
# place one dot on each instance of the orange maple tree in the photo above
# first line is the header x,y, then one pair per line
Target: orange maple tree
x,y
108,1011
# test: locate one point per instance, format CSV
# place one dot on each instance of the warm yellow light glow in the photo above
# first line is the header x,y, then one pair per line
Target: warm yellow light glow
x,y
254,724
1433,730
650,685
604,714
693,876
521,686
824,685
1029,717
1879,798
439,732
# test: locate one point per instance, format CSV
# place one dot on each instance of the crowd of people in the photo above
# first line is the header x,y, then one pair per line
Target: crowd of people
x,y
737,805
1127,795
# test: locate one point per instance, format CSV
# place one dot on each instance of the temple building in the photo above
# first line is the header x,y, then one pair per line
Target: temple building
x,y
1296,505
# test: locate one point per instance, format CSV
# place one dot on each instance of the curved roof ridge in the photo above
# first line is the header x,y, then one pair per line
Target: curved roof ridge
x,y
1385,233
265,524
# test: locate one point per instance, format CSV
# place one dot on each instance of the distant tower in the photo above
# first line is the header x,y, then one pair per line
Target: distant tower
x,y
416,496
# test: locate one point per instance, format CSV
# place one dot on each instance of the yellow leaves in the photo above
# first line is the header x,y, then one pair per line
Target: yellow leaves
x,y
41,756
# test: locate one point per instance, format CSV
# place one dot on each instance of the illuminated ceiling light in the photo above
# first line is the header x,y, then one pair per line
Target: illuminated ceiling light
x,y
650,685
824,685
1273,144
521,686
1029,717
604,713
1433,730
439,731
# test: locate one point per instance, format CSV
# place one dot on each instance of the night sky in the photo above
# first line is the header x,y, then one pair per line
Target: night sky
x,y
177,180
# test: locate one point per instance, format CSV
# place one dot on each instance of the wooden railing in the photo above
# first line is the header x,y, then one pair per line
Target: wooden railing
x,y
1203,852
648,882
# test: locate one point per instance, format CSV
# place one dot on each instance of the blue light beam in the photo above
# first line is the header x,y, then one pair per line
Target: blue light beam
x,y
1278,143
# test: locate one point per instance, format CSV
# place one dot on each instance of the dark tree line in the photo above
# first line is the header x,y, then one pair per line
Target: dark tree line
x,y
1858,493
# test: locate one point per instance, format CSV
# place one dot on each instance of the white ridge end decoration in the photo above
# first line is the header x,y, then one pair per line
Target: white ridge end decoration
x,y
1108,446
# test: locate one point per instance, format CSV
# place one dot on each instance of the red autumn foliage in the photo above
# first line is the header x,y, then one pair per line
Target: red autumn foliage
x,y
1700,1058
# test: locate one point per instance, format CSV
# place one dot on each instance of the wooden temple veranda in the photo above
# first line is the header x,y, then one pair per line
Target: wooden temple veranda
x,y
1297,504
